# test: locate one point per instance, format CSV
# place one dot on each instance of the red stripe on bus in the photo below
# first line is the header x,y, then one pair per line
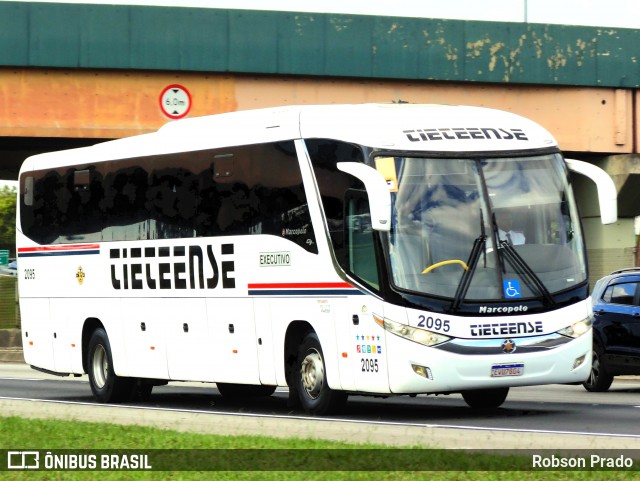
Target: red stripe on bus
x,y
302,285
76,247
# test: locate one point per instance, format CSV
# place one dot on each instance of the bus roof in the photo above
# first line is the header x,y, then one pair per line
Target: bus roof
x,y
399,127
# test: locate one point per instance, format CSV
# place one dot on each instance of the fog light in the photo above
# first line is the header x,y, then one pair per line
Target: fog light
x,y
579,361
422,371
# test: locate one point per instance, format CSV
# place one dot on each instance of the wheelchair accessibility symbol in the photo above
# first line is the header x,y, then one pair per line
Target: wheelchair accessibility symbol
x,y
511,289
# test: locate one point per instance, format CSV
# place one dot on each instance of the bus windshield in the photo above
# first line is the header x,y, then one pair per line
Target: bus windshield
x,y
506,228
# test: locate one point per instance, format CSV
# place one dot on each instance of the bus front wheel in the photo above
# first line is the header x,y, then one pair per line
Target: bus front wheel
x,y
485,398
315,394
105,385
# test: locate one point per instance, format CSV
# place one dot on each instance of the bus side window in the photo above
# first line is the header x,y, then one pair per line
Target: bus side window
x,y
244,190
123,202
333,185
82,219
360,238
278,200
27,210
28,191
47,208
233,184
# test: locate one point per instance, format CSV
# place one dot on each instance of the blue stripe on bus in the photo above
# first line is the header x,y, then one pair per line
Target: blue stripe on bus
x,y
305,292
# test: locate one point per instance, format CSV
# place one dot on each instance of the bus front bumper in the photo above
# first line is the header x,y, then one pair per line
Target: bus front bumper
x,y
486,364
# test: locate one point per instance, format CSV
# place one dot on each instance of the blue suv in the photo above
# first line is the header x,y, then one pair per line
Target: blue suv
x,y
616,328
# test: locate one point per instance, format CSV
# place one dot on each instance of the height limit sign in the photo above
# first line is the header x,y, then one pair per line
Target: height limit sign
x,y
175,101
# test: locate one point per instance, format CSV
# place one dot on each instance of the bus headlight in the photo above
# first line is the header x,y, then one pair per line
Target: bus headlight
x,y
577,329
421,336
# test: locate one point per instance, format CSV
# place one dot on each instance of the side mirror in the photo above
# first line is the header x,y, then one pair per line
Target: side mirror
x,y
377,191
607,193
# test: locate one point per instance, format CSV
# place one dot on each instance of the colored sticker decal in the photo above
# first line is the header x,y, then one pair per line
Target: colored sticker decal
x,y
511,289
66,250
368,348
303,289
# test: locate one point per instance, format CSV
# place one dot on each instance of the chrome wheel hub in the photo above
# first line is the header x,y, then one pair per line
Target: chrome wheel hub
x,y
312,373
100,366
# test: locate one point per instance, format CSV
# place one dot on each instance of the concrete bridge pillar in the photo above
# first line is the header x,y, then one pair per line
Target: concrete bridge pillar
x,y
614,246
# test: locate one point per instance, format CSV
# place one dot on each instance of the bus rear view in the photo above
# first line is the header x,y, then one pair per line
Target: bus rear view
x,y
409,249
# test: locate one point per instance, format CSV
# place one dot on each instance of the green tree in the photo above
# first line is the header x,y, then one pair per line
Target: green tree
x,y
8,201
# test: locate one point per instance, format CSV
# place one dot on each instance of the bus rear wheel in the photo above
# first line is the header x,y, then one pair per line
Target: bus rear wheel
x,y
105,385
314,393
485,398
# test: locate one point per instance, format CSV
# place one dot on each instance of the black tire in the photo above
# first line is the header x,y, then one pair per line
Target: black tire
x,y
310,379
239,391
485,398
105,385
599,379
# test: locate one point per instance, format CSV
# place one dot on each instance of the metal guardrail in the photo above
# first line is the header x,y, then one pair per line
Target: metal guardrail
x,y
9,310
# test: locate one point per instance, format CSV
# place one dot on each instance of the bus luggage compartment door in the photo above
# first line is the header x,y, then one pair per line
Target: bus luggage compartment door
x,y
144,334
37,333
233,335
189,346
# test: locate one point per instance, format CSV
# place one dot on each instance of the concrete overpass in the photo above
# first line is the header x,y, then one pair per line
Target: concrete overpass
x,y
73,74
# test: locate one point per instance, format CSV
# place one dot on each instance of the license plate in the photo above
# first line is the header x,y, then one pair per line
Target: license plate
x,y
502,370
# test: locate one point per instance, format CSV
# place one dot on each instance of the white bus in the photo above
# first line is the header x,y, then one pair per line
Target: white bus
x,y
331,249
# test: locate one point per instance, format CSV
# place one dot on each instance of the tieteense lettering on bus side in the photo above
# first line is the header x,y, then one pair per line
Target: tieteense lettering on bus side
x,y
171,275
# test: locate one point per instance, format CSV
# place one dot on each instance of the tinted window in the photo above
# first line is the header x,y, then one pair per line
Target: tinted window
x,y
234,191
360,239
620,293
335,186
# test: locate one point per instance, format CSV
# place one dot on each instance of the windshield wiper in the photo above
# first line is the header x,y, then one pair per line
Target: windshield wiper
x,y
521,267
472,262
526,273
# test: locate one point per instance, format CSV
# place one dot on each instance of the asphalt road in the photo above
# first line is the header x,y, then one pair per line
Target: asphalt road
x,y
553,417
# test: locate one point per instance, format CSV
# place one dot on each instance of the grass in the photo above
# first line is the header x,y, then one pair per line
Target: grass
x,y
320,458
